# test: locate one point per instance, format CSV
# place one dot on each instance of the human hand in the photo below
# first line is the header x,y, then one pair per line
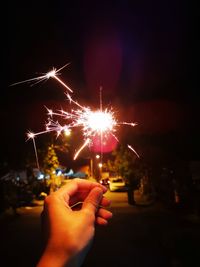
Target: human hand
x,y
69,232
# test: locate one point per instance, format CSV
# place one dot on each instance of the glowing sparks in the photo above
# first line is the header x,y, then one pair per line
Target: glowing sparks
x,y
51,74
131,148
32,136
81,148
100,123
94,122
97,123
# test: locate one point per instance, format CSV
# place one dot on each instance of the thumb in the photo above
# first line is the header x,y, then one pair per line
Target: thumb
x,y
93,199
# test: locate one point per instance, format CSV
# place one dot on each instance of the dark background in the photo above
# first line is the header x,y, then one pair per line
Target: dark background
x,y
144,54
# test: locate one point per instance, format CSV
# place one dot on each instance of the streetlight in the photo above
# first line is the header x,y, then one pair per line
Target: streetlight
x,y
93,165
100,165
100,169
91,168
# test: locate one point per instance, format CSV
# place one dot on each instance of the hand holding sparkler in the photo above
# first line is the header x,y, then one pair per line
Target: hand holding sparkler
x,y
69,233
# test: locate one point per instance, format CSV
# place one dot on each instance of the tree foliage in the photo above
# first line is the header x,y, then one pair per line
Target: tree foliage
x,y
50,161
126,164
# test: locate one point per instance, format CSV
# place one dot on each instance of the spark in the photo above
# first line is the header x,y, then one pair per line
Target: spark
x,y
32,136
92,122
81,148
131,148
51,74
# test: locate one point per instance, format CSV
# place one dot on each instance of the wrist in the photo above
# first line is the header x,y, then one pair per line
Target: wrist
x,y
53,257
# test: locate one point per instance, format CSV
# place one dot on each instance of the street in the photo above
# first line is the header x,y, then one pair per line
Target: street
x,y
136,236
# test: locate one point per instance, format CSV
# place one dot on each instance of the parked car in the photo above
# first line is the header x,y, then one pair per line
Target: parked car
x,y
117,184
105,181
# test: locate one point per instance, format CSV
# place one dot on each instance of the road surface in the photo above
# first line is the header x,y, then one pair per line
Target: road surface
x,y
135,237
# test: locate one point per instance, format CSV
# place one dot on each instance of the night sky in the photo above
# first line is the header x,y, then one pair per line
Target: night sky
x,y
144,54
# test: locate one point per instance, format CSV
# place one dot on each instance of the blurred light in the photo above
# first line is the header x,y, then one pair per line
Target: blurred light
x,y
100,165
67,132
59,173
41,176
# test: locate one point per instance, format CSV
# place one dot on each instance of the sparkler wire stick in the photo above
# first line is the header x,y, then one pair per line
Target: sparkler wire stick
x,y
81,202
101,140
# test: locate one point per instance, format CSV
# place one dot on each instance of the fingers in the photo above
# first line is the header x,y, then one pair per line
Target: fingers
x,y
105,202
92,201
101,221
91,204
80,197
103,216
84,185
90,193
78,185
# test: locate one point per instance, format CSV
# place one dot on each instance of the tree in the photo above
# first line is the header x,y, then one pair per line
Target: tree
x,y
50,165
126,164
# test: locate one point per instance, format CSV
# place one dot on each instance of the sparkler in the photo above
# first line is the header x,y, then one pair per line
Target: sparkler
x,y
99,123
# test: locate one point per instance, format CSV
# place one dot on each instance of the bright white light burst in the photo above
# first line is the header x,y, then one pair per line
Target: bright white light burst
x,y
100,121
